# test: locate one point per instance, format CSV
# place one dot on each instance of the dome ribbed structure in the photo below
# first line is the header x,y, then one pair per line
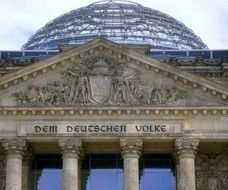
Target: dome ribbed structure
x,y
119,21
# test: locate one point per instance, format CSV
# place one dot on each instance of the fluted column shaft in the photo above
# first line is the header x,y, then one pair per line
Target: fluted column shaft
x,y
14,154
186,151
70,150
131,152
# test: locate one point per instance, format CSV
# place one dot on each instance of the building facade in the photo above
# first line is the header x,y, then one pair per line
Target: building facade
x,y
106,115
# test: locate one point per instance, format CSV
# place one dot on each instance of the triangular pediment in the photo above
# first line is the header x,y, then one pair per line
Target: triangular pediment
x,y
102,73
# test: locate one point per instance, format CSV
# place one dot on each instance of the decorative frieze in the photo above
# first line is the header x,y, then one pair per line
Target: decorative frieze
x,y
212,172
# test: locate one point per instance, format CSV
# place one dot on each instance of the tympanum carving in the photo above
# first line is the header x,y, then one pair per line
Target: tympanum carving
x,y
98,81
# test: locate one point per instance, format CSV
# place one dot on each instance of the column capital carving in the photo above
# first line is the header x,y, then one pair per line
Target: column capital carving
x,y
71,147
186,147
131,147
14,146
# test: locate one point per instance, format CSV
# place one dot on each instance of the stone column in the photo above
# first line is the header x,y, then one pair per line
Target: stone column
x,y
79,174
131,152
14,153
186,151
2,170
71,151
176,169
80,161
27,171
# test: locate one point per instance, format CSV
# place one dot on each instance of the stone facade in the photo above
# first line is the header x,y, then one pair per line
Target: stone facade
x,y
103,97
2,171
186,150
131,152
81,85
212,172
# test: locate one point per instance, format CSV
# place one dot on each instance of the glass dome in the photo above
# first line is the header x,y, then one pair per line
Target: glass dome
x,y
119,21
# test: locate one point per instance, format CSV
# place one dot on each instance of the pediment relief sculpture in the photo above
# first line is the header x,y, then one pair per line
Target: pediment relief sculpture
x,y
98,81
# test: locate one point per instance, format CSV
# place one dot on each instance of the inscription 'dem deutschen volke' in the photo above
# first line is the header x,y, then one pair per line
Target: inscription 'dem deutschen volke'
x,y
158,128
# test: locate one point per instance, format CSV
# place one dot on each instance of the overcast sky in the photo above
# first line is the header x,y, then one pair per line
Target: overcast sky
x,y
20,19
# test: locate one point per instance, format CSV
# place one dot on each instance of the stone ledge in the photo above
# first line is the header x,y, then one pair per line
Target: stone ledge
x,y
164,111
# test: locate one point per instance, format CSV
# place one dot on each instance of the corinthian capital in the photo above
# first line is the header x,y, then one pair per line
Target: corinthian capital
x,y
186,146
14,146
131,147
71,147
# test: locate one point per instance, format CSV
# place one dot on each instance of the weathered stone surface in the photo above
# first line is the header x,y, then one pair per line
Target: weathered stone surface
x,y
186,147
2,170
186,150
123,76
27,175
14,150
71,150
131,151
99,80
14,146
212,172
101,83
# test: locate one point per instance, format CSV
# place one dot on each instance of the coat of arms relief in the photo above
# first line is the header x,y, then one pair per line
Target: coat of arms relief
x,y
98,81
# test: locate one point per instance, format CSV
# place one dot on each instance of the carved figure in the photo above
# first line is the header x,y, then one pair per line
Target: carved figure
x,y
212,183
120,95
32,94
98,80
144,93
81,90
224,179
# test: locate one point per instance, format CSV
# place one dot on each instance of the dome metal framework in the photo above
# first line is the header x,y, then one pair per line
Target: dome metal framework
x,y
119,21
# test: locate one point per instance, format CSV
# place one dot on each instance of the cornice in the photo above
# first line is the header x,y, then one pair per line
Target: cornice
x,y
139,110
